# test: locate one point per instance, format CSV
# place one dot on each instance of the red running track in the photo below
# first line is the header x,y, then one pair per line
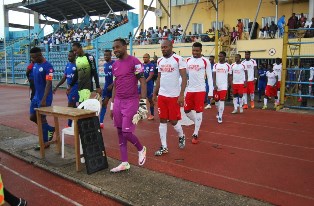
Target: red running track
x,y
265,155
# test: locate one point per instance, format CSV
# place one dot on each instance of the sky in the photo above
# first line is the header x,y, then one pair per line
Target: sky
x,y
22,18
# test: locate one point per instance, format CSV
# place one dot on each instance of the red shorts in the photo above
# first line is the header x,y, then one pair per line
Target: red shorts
x,y
271,91
250,88
278,85
194,101
220,95
168,108
237,88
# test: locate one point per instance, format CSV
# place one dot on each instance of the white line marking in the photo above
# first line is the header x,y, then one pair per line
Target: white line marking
x,y
41,186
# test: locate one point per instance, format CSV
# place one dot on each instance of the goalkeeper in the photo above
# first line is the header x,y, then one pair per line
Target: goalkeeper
x,y
125,108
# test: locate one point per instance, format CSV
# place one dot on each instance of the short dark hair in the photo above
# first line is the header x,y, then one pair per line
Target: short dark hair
x,y
71,51
223,53
108,50
197,44
77,44
247,52
35,50
278,59
212,56
239,55
122,41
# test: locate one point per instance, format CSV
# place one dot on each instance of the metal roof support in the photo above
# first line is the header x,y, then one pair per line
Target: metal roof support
x,y
162,5
110,8
81,22
81,7
102,24
187,25
139,26
257,11
216,9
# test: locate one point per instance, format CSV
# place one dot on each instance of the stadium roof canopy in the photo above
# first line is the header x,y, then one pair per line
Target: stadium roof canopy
x,y
73,9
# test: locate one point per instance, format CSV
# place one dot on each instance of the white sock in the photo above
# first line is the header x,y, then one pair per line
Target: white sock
x,y
245,98
198,122
277,101
240,102
278,94
221,108
217,105
178,129
235,103
252,97
265,102
163,134
191,116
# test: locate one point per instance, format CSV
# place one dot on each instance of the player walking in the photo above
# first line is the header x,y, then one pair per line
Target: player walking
x,y
277,67
170,95
251,67
220,79
197,68
239,76
271,88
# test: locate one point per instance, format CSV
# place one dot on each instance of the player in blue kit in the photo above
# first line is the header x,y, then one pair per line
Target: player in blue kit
x,y
43,75
149,68
262,81
107,90
73,96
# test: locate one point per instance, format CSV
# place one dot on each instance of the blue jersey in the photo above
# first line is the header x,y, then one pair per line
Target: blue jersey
x,y
148,68
42,72
108,73
69,72
262,74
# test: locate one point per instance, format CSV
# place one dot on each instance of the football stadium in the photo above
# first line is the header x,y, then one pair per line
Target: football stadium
x,y
79,79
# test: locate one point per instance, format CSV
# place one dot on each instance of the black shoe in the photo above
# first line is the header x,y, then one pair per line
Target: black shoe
x,y
37,148
22,202
50,134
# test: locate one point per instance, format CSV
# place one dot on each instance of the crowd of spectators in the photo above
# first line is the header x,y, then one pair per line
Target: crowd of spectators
x,y
68,34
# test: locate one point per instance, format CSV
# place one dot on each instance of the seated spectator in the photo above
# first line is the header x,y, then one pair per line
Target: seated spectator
x,y
273,29
234,34
264,32
188,38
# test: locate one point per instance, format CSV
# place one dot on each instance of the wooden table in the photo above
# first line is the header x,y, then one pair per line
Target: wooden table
x,y
63,112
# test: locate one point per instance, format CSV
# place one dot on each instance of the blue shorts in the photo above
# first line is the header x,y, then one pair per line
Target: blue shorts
x,y
261,85
150,91
35,103
106,93
73,96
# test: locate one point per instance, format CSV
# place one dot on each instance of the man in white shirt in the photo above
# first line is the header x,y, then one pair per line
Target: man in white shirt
x,y
197,68
170,96
220,79
277,67
251,67
239,76
271,88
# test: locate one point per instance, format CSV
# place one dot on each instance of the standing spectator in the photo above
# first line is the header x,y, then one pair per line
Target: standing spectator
x,y
293,22
30,78
240,28
302,20
36,39
88,37
264,32
281,23
234,34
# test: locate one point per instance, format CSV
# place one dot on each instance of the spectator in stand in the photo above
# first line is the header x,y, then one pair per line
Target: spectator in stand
x,y
234,34
240,28
262,80
281,23
36,39
188,39
272,29
264,32
302,21
292,24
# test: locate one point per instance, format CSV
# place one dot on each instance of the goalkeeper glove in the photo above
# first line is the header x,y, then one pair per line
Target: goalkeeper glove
x,y
141,112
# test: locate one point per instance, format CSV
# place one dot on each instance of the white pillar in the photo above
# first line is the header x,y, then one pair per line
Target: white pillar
x,y
311,10
141,13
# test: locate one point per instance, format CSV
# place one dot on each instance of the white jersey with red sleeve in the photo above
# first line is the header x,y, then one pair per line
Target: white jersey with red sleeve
x,y
238,74
221,72
197,68
249,66
278,68
169,71
271,78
